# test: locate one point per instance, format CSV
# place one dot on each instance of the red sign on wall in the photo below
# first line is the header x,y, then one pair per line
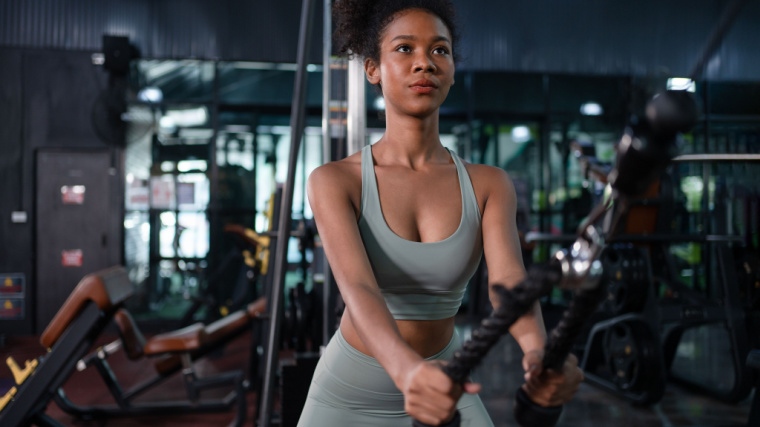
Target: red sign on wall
x,y
73,194
12,308
12,284
72,258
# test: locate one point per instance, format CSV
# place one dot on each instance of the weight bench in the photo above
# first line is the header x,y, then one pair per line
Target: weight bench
x,y
173,351
68,337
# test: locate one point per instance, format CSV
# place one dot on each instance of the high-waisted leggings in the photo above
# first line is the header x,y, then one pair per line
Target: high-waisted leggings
x,y
350,388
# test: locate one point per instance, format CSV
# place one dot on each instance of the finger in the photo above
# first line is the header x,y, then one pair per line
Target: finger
x,y
534,370
545,381
571,361
553,377
436,380
561,398
431,411
532,361
472,388
444,386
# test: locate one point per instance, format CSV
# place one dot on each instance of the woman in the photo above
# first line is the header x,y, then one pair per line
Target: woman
x,y
404,224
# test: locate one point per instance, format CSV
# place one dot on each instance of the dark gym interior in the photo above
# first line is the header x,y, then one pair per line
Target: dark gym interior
x,y
146,148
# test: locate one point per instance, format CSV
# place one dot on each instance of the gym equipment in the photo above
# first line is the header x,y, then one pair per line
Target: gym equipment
x,y
643,152
623,356
721,304
172,351
250,257
72,332
748,275
629,278
297,125
97,300
727,310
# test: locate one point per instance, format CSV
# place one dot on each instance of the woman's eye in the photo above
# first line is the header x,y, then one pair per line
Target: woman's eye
x,y
403,48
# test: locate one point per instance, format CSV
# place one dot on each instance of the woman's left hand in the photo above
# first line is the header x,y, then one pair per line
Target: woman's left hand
x,y
548,387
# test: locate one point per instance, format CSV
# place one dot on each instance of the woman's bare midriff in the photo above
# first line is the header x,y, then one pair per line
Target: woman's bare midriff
x,y
425,337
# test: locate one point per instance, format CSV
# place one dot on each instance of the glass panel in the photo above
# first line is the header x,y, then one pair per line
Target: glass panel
x,y
265,183
158,80
168,190
235,157
193,235
266,84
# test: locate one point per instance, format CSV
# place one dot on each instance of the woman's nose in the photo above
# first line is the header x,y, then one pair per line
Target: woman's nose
x,y
423,62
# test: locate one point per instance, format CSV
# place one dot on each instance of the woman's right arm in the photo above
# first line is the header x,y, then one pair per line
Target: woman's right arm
x,y
328,192
339,232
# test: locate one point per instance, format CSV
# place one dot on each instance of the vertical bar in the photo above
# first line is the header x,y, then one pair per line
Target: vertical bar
x,y
705,208
297,120
326,83
255,154
725,22
328,290
466,153
212,211
357,114
544,167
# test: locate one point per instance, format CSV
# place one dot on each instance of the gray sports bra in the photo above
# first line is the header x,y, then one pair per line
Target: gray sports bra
x,y
420,281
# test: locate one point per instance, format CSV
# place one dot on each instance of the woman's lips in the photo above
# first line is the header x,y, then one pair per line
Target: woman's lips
x,y
423,86
422,89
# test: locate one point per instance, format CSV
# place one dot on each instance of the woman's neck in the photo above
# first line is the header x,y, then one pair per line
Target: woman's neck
x,y
411,141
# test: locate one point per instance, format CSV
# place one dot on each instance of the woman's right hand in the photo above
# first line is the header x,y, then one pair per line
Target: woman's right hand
x,y
430,396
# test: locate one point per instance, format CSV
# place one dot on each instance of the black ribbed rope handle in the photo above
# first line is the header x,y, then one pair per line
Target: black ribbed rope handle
x,y
558,346
513,304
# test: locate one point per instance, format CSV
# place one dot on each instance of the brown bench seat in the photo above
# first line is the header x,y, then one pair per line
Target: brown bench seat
x,y
183,340
106,288
192,339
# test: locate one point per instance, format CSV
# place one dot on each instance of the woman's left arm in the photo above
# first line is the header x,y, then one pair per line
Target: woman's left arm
x,y
501,245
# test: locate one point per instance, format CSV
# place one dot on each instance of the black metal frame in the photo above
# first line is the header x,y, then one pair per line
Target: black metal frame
x,y
35,393
126,408
45,383
729,312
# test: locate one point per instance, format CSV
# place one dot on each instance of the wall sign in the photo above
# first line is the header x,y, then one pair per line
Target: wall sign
x,y
162,193
71,258
73,194
11,308
12,284
138,194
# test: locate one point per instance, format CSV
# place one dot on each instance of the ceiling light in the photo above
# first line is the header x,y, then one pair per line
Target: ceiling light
x,y
379,103
681,83
591,109
150,94
188,117
520,134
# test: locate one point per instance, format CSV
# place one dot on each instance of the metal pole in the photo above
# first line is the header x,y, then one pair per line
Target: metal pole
x,y
326,83
357,110
724,24
328,297
297,120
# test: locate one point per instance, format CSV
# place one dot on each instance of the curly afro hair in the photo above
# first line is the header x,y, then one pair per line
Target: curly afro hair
x,y
359,23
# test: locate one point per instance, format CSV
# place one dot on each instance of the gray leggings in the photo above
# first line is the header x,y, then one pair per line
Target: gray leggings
x,y
350,388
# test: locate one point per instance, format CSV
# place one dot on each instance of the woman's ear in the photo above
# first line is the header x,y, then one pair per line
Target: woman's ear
x,y
372,71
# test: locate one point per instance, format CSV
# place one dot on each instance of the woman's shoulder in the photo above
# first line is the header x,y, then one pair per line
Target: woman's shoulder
x,y
340,175
489,177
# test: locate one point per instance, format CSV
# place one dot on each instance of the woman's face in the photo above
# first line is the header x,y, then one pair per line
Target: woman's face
x,y
416,68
